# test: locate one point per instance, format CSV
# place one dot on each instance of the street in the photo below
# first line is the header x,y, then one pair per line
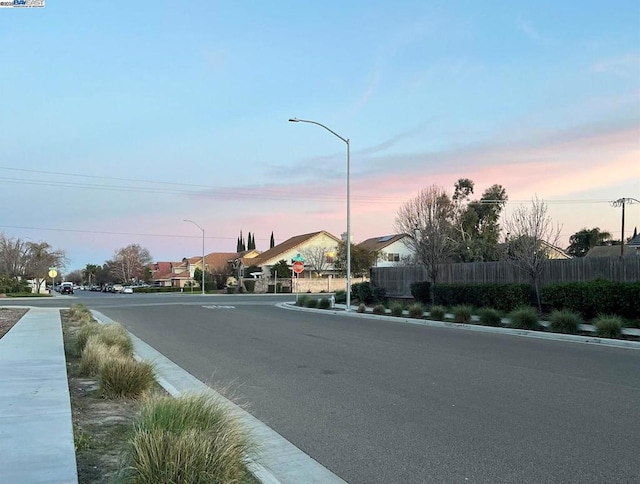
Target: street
x,y
380,401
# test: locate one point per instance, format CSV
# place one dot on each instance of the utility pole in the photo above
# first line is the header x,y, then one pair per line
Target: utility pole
x,y
621,202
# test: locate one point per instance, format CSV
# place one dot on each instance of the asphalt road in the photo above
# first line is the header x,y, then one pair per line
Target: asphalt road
x,y
384,402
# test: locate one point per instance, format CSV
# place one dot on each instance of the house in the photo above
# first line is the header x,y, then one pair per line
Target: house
x,y
317,248
170,274
391,249
614,250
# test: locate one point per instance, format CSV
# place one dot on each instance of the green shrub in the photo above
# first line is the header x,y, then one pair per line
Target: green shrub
x,y
608,326
421,292
564,321
187,439
379,294
123,377
324,303
362,292
594,297
437,313
311,303
462,313
231,290
250,285
379,309
489,317
504,297
524,317
396,309
302,300
416,311
362,308
341,297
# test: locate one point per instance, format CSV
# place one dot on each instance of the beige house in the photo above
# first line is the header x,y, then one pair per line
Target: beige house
x,y
391,250
317,248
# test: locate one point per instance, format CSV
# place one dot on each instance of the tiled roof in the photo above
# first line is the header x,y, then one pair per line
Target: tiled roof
x,y
610,251
376,244
289,244
635,242
218,260
171,275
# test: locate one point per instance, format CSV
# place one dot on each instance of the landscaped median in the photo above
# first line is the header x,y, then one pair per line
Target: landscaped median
x,y
127,429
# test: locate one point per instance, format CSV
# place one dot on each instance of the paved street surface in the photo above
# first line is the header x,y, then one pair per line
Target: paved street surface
x,y
383,402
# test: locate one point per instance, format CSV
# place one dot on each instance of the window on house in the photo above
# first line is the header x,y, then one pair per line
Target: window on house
x,y
393,257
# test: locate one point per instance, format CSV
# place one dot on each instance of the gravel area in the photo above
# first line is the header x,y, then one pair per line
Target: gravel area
x,y
9,317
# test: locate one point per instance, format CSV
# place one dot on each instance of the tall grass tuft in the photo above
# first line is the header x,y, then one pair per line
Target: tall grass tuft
x,y
362,308
379,309
396,309
83,335
489,317
416,310
462,313
95,355
524,317
437,313
79,313
115,334
608,326
187,439
564,321
123,377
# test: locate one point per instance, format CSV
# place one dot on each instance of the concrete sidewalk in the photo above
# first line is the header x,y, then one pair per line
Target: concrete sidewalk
x,y
36,431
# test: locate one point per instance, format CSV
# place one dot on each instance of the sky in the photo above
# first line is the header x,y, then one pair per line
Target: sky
x,y
119,121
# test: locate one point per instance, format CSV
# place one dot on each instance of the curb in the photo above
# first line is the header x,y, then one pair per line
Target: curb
x,y
572,338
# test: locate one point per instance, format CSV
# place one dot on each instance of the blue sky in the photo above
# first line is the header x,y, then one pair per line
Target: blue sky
x,y
120,120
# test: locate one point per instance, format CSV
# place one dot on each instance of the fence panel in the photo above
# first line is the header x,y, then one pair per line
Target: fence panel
x,y
397,280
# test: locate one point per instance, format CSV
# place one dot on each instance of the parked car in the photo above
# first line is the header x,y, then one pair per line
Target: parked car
x,y
117,288
66,288
127,290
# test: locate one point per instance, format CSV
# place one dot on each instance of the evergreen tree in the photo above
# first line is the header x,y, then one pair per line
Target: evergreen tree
x,y
251,242
272,243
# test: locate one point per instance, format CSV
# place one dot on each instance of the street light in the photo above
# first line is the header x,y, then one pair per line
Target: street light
x,y
296,120
191,221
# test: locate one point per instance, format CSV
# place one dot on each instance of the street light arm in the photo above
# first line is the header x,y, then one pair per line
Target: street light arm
x,y
194,223
296,120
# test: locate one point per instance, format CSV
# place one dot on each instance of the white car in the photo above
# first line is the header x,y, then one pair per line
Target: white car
x,y
127,290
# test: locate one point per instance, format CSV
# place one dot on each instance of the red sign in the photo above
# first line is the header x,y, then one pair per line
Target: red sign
x,y
298,267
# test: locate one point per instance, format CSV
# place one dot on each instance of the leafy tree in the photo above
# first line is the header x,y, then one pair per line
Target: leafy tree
x,y
130,263
532,235
477,230
428,218
74,276
90,272
585,239
272,241
361,259
281,269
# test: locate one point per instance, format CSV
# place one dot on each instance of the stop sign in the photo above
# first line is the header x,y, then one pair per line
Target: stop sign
x,y
298,267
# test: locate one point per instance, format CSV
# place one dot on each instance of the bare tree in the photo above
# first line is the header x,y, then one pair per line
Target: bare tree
x,y
13,256
428,219
316,257
531,236
130,262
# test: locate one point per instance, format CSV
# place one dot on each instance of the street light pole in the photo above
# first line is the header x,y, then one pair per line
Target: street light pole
x,y
191,221
346,141
621,202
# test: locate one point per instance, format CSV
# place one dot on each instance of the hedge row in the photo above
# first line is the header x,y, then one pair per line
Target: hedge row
x,y
504,297
587,298
594,297
366,293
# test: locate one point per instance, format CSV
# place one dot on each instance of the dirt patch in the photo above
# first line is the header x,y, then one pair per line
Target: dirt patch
x,y
9,317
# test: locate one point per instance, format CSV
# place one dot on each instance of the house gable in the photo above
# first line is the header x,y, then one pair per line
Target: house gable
x,y
290,247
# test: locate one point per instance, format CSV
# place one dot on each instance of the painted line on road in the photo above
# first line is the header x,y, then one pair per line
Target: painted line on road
x,y
280,462
219,307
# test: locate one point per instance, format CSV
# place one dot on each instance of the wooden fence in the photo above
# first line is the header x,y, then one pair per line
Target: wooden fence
x,y
397,280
